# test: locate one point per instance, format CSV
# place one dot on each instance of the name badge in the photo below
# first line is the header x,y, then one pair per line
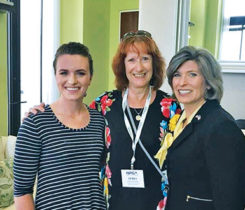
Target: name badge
x,y
133,178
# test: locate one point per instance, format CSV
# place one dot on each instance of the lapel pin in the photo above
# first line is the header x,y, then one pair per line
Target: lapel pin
x,y
198,117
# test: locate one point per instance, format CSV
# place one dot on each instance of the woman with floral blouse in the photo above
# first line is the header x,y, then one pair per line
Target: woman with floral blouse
x,y
139,72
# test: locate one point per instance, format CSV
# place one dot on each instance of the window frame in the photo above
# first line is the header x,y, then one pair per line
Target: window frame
x,y
12,7
236,67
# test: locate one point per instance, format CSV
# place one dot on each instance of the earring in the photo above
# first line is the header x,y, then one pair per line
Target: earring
x,y
206,92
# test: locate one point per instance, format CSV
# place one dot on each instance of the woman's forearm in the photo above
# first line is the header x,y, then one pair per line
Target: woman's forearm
x,y
24,202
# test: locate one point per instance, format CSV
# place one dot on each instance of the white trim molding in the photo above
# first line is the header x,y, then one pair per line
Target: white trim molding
x,y
232,67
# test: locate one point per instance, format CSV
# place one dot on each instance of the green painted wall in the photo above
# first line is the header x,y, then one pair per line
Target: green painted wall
x,y
116,7
3,76
71,21
96,26
213,25
206,15
198,17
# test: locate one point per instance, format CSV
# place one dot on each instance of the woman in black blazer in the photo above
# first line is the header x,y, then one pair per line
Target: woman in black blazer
x,y
206,160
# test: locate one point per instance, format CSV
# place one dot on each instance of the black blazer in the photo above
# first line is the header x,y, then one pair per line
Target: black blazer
x,y
206,163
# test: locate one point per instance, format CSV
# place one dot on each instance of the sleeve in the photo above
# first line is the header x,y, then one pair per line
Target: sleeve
x,y
26,159
171,113
103,102
104,153
96,103
178,109
225,156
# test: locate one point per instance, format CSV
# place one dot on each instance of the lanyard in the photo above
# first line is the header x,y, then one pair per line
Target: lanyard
x,y
141,123
162,173
165,184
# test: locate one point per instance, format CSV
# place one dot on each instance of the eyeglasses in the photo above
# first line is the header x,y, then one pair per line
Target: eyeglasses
x,y
137,33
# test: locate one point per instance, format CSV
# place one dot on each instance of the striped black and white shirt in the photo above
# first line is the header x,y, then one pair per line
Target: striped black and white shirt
x,y
66,162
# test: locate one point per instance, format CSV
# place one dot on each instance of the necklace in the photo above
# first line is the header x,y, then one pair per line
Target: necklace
x,y
138,114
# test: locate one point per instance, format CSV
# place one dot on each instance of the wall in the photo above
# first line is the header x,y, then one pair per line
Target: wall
x,y
116,7
88,22
162,25
71,21
234,94
206,15
197,16
163,32
3,75
207,18
213,24
96,26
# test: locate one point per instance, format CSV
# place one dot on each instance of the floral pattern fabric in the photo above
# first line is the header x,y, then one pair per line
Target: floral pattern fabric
x,y
6,183
161,112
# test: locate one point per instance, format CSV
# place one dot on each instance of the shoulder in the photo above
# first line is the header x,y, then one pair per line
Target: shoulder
x,y
162,94
168,104
95,113
103,102
96,119
218,121
113,94
39,118
166,98
42,115
32,124
212,110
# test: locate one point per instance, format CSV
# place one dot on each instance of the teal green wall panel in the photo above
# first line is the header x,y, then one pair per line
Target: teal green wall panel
x,y
206,15
3,76
96,26
71,21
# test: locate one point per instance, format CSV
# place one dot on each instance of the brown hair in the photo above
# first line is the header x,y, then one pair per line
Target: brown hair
x,y
74,48
158,63
207,65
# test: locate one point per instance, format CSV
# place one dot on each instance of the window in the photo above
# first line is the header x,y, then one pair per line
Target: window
x,y
33,34
217,26
38,47
232,42
13,63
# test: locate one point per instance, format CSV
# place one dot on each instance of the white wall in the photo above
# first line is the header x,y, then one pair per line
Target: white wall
x,y
160,18
234,94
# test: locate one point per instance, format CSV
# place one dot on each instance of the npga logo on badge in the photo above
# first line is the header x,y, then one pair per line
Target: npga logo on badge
x,y
134,173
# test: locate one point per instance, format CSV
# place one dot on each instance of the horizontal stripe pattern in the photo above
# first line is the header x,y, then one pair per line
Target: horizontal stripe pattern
x,y
66,162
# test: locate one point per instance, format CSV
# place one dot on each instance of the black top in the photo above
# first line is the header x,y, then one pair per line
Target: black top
x,y
206,163
110,105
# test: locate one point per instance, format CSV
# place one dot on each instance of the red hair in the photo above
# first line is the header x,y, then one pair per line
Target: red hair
x,y
158,63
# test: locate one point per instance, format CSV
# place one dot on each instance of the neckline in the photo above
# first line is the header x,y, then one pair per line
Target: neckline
x,y
151,104
67,127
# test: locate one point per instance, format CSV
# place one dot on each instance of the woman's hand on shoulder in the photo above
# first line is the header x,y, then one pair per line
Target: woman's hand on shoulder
x,y
34,110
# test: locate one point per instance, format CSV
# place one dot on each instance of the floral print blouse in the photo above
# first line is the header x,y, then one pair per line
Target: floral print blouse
x,y
119,145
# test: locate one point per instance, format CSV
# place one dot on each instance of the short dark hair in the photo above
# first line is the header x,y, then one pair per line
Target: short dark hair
x,y
207,65
74,48
158,63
